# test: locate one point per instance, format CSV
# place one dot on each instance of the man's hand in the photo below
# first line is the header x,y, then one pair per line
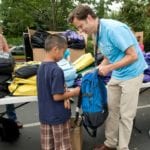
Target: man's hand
x,y
104,69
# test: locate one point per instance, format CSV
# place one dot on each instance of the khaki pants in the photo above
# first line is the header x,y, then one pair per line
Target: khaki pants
x,y
122,105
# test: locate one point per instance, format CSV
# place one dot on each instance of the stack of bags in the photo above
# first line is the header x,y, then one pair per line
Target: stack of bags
x,y
24,81
6,68
147,71
69,72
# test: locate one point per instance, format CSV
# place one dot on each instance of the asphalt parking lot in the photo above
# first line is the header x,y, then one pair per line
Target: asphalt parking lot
x,y
30,134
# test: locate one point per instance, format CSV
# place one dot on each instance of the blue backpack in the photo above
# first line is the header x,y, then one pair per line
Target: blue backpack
x,y
93,101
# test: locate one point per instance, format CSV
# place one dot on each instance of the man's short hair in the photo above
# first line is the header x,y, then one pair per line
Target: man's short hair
x,y
81,12
54,40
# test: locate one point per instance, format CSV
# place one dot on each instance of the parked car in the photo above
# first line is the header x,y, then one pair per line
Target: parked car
x,y
18,53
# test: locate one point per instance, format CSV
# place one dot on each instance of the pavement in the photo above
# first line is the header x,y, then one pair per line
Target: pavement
x,y
30,133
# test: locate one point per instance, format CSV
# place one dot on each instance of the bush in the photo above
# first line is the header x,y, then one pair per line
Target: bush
x,y
14,40
147,40
147,45
90,47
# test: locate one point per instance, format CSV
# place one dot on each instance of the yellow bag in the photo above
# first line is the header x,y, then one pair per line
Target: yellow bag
x,y
23,87
83,61
30,80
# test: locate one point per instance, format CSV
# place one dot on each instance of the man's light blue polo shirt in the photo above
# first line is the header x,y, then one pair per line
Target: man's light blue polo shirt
x,y
114,39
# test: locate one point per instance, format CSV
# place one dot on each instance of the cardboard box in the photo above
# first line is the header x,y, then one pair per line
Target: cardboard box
x,y
76,136
39,53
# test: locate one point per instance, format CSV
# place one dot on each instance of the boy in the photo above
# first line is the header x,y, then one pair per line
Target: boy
x,y
54,106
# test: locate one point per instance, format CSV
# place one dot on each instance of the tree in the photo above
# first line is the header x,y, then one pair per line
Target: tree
x,y
136,14
18,14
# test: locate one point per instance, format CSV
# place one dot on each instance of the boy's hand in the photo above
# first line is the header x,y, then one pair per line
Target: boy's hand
x,y
67,104
76,91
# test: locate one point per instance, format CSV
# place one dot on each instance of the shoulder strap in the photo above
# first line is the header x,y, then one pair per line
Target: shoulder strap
x,y
78,108
96,45
100,80
91,132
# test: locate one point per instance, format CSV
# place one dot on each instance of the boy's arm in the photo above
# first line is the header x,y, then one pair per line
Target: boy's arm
x,y
67,94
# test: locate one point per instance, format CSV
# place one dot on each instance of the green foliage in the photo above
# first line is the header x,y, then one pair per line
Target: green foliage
x,y
14,41
100,7
17,15
147,35
90,46
135,13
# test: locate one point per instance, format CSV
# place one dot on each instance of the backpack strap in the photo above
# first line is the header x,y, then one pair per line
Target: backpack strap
x,y
78,108
101,82
91,132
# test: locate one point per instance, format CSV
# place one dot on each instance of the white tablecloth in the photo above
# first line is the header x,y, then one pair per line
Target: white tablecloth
x,y
23,99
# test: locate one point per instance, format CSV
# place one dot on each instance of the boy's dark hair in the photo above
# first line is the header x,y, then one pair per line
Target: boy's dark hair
x,y
81,12
55,40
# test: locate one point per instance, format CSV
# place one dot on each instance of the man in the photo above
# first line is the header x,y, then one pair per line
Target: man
x,y
124,58
9,108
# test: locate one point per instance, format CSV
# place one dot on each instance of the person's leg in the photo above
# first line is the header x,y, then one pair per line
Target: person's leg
x,y
128,106
62,137
10,108
112,122
47,140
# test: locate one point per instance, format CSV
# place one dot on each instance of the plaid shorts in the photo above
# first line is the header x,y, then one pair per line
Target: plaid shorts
x,y
56,137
